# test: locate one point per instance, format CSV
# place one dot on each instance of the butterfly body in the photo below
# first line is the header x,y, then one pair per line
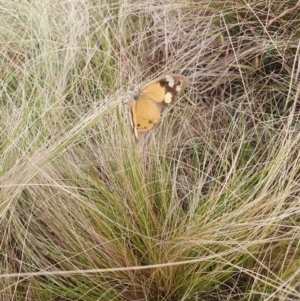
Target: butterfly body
x,y
145,105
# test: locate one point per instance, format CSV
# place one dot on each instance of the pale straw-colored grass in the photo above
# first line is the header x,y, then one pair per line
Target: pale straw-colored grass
x,y
204,207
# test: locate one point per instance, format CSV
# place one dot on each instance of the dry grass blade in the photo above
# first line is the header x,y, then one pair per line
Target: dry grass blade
x,y
204,207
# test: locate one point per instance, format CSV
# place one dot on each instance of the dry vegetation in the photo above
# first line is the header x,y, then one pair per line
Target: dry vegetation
x,y
205,207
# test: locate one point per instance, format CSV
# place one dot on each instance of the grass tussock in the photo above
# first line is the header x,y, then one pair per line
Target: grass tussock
x,y
204,207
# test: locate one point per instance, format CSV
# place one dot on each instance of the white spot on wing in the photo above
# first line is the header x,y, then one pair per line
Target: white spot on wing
x,y
178,88
168,97
170,80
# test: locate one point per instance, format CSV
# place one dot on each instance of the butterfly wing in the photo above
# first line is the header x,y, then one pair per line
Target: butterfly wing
x,y
165,89
145,106
145,115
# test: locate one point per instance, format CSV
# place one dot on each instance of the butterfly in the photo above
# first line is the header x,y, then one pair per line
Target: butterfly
x,y
145,104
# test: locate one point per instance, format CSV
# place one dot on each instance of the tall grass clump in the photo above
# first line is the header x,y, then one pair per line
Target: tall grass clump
x,y
204,207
